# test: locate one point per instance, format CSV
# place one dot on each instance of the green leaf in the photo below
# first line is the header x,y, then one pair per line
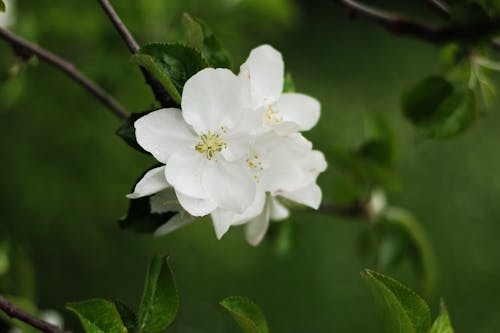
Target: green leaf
x,y
128,316
442,323
246,313
126,131
201,37
171,64
289,84
160,300
2,6
421,102
98,316
401,309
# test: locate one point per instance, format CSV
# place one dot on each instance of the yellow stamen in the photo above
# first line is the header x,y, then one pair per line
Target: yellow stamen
x,y
210,144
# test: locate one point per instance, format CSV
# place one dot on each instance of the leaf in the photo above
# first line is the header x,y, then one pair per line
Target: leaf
x,y
401,309
171,64
2,6
160,300
98,316
246,313
289,84
128,316
201,37
140,219
421,102
126,131
442,323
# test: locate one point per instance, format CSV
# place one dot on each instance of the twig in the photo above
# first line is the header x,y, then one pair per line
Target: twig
x,y
408,27
440,6
356,210
14,312
66,67
159,92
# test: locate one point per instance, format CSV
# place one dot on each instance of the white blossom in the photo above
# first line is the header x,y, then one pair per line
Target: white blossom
x,y
7,18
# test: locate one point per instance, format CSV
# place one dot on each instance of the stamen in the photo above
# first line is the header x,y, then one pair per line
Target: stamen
x,y
210,144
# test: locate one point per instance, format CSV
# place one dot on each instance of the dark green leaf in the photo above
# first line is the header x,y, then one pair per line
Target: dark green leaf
x,y
401,309
442,323
140,219
201,37
289,84
127,131
421,102
98,316
452,54
2,6
128,316
160,300
171,64
246,313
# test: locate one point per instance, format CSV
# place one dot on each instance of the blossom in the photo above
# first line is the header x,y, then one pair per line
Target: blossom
x,y
263,73
203,146
8,18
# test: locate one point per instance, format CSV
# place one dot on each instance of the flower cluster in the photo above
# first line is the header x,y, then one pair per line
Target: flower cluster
x,y
235,150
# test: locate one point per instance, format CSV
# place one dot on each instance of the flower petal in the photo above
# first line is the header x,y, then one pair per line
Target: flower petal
x,y
309,196
255,208
264,70
195,206
299,109
152,182
213,98
230,185
178,221
163,132
184,172
256,229
221,219
278,210
164,201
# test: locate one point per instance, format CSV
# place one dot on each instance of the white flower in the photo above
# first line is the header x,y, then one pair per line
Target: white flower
x,y
263,73
204,146
7,18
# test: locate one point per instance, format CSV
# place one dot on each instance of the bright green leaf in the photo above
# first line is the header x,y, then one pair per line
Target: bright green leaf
x,y
246,313
98,316
171,64
201,37
128,316
160,300
442,323
289,84
401,309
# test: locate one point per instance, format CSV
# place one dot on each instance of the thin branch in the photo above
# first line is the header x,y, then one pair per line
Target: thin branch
x,y
159,92
405,26
68,68
356,210
440,7
14,312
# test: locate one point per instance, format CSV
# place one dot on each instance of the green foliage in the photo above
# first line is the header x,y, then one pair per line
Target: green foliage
x,y
2,6
401,310
288,84
438,109
128,316
140,219
202,38
126,131
98,316
442,324
171,64
17,276
160,300
246,313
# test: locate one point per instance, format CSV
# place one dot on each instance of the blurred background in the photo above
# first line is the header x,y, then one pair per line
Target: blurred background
x,y
64,173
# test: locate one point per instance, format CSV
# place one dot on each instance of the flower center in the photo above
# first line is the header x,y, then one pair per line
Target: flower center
x,y
255,165
271,115
210,144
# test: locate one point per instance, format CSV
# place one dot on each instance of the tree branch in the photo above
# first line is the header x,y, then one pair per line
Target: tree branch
x,y
405,26
159,92
440,7
14,312
66,67
356,210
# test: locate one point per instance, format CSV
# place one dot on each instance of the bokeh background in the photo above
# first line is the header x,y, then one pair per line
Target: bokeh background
x,y
64,173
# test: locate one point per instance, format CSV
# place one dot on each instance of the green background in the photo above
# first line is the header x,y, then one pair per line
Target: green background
x,y
65,174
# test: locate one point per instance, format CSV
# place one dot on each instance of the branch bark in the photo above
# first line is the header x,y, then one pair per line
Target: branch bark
x,y
405,26
159,92
66,67
14,312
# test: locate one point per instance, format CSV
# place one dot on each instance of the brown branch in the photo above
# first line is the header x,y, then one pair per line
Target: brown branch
x,y
405,26
14,312
159,92
66,67
440,7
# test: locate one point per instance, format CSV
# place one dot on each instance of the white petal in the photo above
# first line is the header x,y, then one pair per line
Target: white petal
x,y
184,172
152,182
299,109
221,220
264,69
252,211
309,196
164,201
163,132
178,221
230,185
195,206
256,228
312,165
213,98
278,210
237,145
